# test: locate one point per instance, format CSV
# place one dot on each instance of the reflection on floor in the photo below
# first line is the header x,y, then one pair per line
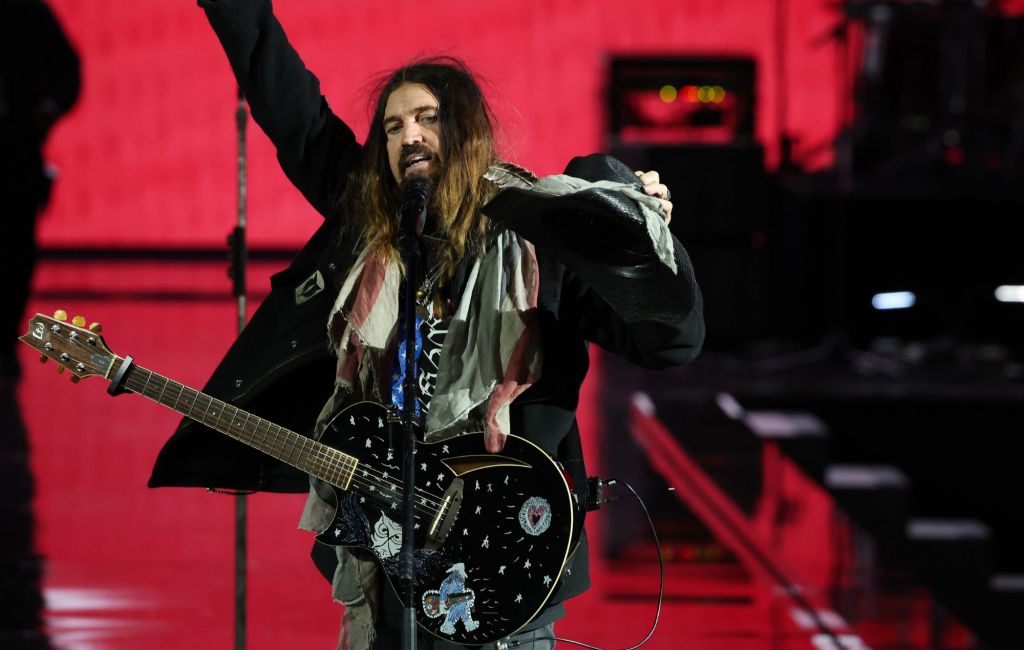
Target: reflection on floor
x,y
125,567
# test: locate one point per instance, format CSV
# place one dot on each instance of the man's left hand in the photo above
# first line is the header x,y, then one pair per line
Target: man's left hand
x,y
654,187
494,441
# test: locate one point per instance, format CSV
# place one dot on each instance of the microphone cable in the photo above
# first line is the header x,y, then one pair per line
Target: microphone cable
x,y
507,645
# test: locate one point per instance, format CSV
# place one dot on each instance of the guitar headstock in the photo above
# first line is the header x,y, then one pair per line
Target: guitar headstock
x,y
80,350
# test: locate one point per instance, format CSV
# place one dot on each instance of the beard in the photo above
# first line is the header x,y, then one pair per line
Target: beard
x,y
431,171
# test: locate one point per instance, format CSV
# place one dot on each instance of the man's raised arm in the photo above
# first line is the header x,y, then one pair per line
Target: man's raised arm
x,y
315,148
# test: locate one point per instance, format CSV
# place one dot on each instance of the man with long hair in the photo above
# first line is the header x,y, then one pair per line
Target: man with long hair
x,y
517,275
454,147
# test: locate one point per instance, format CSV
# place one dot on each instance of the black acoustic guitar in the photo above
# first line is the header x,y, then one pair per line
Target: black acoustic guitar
x,y
493,531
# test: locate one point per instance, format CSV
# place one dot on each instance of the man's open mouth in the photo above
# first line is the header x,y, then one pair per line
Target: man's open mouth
x,y
417,160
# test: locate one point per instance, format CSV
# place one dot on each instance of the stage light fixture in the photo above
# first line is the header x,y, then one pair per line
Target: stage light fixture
x,y
1010,293
893,300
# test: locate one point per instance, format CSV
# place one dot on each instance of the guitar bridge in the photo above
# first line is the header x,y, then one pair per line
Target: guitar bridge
x,y
446,514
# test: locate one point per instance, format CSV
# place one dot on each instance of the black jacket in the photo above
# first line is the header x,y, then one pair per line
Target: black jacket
x,y
280,367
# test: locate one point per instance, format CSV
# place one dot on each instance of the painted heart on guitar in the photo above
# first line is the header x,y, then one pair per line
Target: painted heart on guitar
x,y
535,516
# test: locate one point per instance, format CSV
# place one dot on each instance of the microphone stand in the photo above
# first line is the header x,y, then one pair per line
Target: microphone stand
x,y
412,216
237,272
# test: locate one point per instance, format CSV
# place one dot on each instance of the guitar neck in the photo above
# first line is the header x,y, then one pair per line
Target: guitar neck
x,y
308,455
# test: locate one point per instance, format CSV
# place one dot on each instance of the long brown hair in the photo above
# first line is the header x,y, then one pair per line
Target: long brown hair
x,y
371,197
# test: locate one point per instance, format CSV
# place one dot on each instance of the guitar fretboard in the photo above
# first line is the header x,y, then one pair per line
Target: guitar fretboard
x,y
283,444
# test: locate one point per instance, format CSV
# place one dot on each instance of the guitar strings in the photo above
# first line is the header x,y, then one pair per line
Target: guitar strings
x,y
371,477
371,486
379,487
382,478
377,482
331,468
417,506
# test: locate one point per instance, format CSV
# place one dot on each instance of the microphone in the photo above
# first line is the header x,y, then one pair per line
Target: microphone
x,y
416,193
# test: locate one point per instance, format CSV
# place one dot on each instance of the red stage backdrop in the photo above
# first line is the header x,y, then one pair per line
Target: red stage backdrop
x,y
147,156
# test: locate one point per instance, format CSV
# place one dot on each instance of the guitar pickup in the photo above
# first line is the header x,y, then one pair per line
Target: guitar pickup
x,y
446,514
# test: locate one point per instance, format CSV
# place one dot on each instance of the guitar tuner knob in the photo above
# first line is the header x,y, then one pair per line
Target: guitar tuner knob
x,y
60,370
78,321
64,356
60,315
75,380
43,358
95,327
80,367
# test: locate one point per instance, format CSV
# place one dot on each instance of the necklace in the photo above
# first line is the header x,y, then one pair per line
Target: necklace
x,y
426,290
433,245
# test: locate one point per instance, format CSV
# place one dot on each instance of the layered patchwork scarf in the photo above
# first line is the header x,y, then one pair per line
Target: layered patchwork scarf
x,y
491,352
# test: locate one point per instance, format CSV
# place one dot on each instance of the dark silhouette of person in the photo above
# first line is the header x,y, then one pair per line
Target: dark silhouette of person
x,y
21,567
39,83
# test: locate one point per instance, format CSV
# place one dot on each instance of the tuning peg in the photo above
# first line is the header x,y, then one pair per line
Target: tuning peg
x,y
43,358
60,370
75,380
60,314
96,328
78,321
